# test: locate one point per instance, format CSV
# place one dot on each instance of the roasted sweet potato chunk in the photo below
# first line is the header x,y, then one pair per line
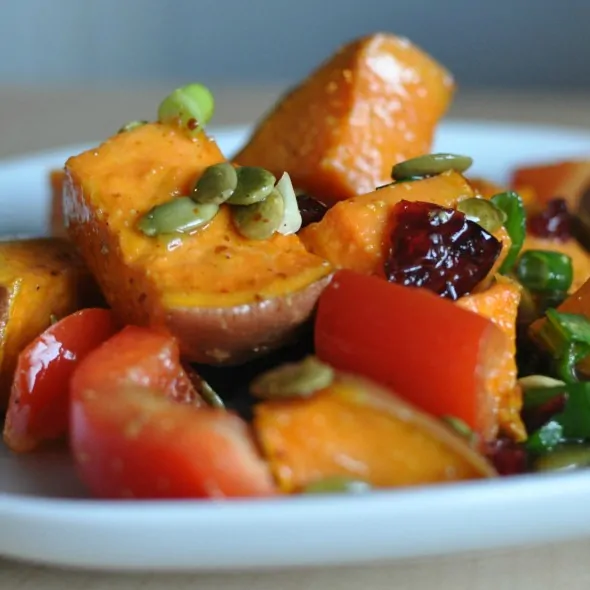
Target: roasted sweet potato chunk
x,y
39,279
358,430
226,298
373,104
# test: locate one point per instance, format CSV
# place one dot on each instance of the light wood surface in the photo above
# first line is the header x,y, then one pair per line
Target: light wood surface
x,y
36,119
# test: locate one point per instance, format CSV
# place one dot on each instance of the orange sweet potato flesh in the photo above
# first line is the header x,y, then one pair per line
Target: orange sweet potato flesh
x,y
376,102
568,179
580,257
56,221
39,278
354,234
499,303
486,188
356,429
225,298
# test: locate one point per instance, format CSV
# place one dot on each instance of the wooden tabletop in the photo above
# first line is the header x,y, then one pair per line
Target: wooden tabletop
x,y
34,119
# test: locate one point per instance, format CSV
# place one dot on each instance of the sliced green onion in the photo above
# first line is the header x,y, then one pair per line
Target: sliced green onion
x,y
540,270
567,337
515,224
570,425
545,439
191,106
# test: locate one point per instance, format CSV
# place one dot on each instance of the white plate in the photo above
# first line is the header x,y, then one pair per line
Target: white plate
x,y
45,517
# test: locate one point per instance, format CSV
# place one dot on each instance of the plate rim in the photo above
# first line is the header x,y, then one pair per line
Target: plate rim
x,y
569,490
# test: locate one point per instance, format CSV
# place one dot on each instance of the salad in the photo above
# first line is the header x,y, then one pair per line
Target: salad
x,y
332,309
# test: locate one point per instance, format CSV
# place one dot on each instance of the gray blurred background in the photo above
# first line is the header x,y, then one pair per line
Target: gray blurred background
x,y
501,44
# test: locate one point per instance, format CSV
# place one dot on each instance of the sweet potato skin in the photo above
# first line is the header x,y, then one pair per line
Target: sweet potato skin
x,y
356,429
56,222
218,292
39,278
374,103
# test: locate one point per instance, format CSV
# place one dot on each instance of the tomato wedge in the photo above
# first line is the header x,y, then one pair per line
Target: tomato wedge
x,y
39,398
132,438
429,351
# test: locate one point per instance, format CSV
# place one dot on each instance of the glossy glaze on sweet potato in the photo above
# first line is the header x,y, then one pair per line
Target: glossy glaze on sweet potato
x,y
39,279
355,429
375,103
225,297
499,303
355,233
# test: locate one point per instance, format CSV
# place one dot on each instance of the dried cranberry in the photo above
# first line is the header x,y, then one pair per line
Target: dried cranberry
x,y
555,221
438,249
312,210
508,457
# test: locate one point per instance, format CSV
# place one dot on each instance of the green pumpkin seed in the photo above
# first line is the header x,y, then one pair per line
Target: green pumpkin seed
x,y
180,215
459,427
430,165
538,382
337,484
131,126
216,185
208,393
483,212
254,185
564,458
260,220
300,379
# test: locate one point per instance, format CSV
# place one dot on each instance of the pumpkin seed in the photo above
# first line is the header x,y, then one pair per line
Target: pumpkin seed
x,y
564,458
216,185
483,212
131,126
430,165
300,379
260,220
180,215
209,394
337,484
459,427
292,219
254,185
538,382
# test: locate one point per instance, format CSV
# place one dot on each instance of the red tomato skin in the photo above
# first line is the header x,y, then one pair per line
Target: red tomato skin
x,y
39,398
429,351
141,445
139,356
131,438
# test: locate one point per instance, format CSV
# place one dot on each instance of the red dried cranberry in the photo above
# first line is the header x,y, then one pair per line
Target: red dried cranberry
x,y
554,221
508,457
439,249
312,210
